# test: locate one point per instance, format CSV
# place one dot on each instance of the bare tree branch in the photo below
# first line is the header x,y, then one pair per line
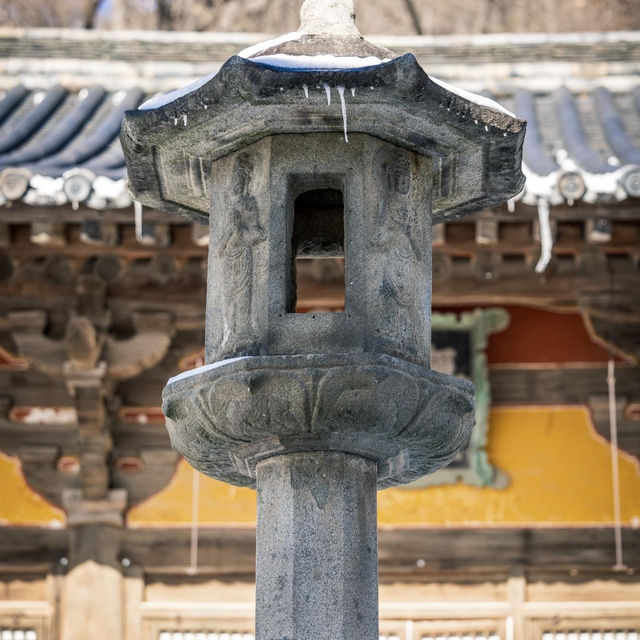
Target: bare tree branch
x,y
90,14
163,15
415,18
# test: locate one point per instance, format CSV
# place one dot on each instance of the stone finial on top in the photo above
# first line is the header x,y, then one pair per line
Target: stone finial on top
x,y
327,28
335,17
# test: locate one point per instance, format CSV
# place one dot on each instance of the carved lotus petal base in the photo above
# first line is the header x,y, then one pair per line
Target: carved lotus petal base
x,y
224,418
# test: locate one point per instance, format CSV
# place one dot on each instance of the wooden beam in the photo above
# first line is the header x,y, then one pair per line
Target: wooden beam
x,y
31,546
403,553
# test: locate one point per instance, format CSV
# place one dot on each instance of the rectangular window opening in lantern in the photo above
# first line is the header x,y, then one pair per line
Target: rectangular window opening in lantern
x,y
317,252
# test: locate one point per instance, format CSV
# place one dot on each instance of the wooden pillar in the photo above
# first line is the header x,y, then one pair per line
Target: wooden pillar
x,y
133,597
93,589
517,593
92,598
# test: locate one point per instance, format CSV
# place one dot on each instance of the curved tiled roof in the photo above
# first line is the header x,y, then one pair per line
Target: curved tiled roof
x,y
580,146
58,146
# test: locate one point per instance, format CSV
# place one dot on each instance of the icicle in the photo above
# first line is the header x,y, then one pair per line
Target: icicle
x,y
615,471
546,239
74,205
570,202
184,119
137,210
353,92
206,106
306,90
511,205
192,569
175,122
344,112
327,89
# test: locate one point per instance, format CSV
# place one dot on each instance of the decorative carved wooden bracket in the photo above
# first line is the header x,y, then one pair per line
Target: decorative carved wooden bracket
x,y
84,344
108,510
27,329
89,361
129,358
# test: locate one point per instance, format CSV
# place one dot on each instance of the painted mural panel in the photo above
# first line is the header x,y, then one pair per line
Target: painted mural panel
x,y
19,504
559,470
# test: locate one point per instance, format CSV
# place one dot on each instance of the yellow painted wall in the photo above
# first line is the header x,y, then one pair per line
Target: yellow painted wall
x,y
559,470
19,504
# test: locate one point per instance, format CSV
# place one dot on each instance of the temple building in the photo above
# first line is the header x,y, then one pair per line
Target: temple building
x,y
533,533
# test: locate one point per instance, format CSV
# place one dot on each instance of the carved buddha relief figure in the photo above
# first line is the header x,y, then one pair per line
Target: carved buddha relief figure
x,y
400,236
239,235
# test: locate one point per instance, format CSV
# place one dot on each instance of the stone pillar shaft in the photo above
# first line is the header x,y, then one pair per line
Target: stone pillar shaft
x,y
317,569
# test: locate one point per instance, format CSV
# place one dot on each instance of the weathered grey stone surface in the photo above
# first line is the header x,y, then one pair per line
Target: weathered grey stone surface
x,y
384,234
317,569
336,17
327,27
408,419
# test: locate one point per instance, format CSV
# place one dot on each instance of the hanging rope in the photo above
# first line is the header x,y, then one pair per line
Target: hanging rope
x,y
613,428
195,515
615,473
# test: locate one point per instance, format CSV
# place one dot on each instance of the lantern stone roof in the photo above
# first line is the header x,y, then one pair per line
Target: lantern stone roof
x,y
395,101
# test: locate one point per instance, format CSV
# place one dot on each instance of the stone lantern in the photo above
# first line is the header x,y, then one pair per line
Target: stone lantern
x,y
287,155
